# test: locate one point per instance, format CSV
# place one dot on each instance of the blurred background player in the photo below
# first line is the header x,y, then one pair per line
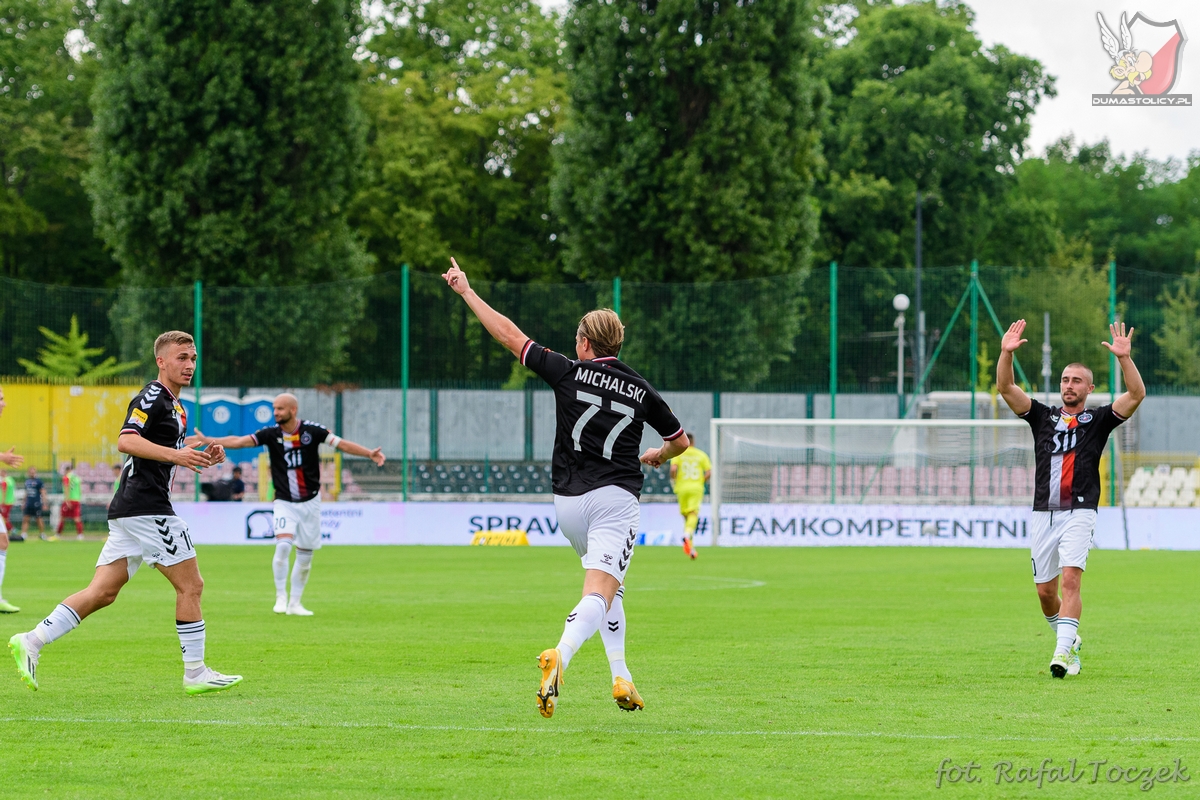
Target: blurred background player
x,y
292,445
237,487
72,505
601,407
1067,442
142,526
689,473
8,496
35,496
8,459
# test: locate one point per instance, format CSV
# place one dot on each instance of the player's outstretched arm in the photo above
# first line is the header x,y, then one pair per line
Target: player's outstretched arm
x,y
227,442
502,329
11,459
355,449
195,460
1006,384
1135,389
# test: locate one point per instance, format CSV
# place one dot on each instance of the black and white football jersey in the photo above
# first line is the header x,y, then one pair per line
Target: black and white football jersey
x,y
1067,450
295,459
145,486
601,407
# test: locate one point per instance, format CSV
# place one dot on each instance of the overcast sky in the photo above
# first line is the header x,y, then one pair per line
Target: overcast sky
x,y
1065,37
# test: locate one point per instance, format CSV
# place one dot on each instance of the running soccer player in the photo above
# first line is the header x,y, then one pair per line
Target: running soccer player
x,y
35,497
689,473
1068,442
8,459
142,526
601,406
292,444
72,504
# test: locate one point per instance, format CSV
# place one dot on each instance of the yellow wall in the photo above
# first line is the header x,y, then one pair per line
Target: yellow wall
x,y
49,424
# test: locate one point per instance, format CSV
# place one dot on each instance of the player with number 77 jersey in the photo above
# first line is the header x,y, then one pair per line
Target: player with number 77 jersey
x,y
601,408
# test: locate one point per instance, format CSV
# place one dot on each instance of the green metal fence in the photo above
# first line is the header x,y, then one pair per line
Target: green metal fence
x,y
831,328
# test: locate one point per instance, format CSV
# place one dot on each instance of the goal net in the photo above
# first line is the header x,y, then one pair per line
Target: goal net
x,y
869,461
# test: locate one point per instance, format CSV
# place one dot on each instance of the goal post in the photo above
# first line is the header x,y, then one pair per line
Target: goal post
x,y
958,462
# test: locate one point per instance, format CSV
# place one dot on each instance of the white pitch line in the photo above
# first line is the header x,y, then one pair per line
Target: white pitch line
x,y
588,731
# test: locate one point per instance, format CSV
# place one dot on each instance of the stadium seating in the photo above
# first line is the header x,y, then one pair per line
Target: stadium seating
x,y
473,478
1163,486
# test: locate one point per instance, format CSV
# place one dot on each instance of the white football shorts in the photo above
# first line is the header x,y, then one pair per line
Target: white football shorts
x,y
301,520
601,525
1061,539
153,540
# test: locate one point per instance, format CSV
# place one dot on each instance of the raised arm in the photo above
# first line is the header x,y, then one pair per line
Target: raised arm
x,y
502,329
1135,389
354,449
10,458
1017,400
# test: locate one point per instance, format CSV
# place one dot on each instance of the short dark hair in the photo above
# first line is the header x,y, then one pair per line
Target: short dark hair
x,y
237,470
691,437
1091,375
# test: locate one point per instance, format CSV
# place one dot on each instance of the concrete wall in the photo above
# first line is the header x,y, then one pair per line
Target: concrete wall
x,y
481,424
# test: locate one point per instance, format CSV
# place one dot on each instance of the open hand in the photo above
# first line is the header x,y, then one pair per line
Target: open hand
x,y
456,278
11,459
378,457
1012,337
1121,341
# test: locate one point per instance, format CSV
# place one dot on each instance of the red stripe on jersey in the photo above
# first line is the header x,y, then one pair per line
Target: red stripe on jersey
x,y
300,482
673,436
525,351
1066,485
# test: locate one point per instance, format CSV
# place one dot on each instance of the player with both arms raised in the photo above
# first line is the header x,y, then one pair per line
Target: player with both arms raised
x,y
293,445
142,526
601,406
1068,443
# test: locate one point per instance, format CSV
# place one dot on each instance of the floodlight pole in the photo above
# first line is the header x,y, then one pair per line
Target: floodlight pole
x,y
198,327
919,362
1046,372
404,323
974,361
1112,378
900,365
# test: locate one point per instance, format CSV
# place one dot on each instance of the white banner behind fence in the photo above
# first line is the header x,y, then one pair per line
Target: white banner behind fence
x,y
741,524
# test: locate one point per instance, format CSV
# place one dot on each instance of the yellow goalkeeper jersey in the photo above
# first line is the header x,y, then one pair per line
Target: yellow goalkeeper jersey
x,y
692,464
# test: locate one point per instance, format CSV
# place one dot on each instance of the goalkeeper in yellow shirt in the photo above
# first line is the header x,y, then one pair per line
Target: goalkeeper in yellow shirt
x,y
689,472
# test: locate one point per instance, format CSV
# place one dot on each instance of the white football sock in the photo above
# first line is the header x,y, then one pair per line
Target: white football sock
x,y
1067,628
279,564
191,641
3,557
612,632
582,624
62,620
300,573
1053,623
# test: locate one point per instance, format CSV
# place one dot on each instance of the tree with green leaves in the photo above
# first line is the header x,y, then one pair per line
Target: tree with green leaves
x,y
1179,336
227,139
917,103
691,143
68,356
689,155
46,230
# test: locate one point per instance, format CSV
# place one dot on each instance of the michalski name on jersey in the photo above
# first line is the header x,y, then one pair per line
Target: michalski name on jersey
x,y
612,383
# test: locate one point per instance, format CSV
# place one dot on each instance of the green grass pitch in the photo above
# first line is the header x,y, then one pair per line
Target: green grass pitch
x,y
839,672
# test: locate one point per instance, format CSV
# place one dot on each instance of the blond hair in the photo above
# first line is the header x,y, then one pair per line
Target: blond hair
x,y
169,338
604,330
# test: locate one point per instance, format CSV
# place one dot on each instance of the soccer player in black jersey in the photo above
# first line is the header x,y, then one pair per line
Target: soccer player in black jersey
x,y
1068,442
601,406
292,444
142,526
